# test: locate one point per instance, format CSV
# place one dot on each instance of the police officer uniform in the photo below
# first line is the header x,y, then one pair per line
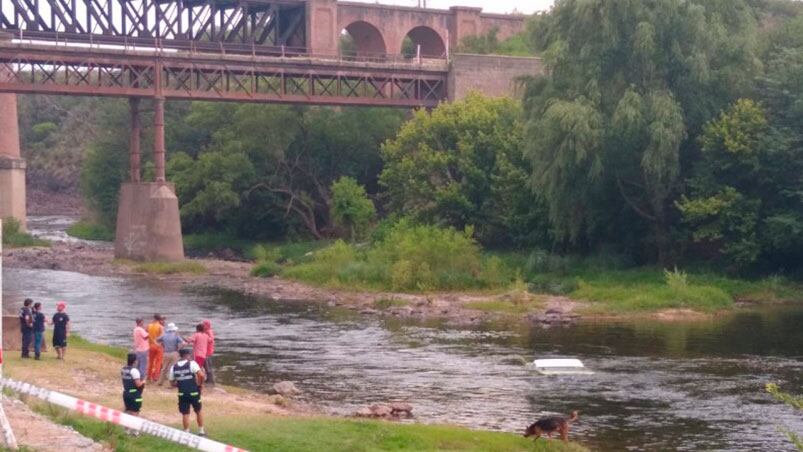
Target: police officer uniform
x,y
189,393
132,395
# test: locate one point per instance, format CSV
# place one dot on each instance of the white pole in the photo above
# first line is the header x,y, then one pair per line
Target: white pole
x,y
8,434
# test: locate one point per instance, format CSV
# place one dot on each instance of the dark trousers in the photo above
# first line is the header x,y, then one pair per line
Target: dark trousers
x,y
38,338
27,341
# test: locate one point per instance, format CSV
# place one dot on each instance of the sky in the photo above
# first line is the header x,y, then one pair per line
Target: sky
x,y
488,6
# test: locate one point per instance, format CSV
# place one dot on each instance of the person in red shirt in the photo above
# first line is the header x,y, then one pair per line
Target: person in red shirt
x,y
200,344
210,350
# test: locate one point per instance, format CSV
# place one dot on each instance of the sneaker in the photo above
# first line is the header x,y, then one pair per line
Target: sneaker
x,y
202,434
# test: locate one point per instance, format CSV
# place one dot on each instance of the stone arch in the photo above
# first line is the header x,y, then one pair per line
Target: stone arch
x,y
432,44
367,39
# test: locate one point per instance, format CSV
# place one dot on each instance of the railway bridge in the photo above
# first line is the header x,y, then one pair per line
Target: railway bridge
x,y
320,52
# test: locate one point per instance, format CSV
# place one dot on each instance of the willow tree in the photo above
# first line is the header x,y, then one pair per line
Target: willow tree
x,y
630,83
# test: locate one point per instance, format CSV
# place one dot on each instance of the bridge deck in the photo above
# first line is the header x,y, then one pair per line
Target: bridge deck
x,y
29,67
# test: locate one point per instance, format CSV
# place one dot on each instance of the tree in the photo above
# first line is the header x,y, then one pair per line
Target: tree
x,y
351,207
489,43
460,165
628,83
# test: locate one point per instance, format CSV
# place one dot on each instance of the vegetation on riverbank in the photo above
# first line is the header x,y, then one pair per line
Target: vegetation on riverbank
x,y
164,268
91,371
88,230
14,237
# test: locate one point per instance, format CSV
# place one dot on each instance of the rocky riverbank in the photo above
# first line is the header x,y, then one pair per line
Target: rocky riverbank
x,y
455,308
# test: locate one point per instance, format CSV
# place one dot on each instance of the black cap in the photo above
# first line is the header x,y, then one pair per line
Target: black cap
x,y
185,352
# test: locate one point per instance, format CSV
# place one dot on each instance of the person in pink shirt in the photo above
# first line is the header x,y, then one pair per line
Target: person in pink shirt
x,y
210,350
141,346
200,344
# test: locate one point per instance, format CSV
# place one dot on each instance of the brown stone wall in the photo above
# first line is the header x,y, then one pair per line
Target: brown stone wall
x,y
491,75
12,338
9,128
322,32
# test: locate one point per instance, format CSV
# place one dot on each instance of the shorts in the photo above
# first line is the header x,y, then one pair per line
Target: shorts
x,y
186,401
133,403
200,360
59,341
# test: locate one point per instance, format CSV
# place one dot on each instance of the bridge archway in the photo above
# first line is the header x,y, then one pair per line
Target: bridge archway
x,y
365,40
432,44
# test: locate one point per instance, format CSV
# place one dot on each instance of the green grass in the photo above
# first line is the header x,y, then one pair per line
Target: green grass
x,y
287,252
15,237
87,230
263,432
79,342
164,268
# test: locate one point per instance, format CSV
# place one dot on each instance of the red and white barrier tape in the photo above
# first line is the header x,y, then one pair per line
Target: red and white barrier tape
x,y
126,420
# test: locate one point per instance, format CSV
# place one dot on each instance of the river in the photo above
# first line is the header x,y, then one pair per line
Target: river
x,y
657,386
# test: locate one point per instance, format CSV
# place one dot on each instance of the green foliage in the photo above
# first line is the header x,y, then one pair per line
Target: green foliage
x,y
745,196
626,84
794,402
489,43
266,269
106,164
87,230
165,268
351,208
14,237
462,165
409,257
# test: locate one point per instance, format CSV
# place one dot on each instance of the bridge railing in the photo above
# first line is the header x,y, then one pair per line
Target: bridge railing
x,y
126,44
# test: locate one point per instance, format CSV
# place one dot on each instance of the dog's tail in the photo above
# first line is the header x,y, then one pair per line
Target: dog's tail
x,y
573,417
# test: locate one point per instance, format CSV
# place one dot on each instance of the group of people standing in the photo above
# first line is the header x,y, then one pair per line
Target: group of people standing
x,y
160,353
157,347
32,327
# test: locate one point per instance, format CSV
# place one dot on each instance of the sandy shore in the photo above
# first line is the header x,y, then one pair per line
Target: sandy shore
x,y
453,307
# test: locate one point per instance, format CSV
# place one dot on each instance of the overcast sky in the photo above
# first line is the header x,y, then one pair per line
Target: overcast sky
x,y
490,6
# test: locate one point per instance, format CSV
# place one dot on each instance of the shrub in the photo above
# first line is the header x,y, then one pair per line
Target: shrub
x,y
351,208
86,230
14,237
266,269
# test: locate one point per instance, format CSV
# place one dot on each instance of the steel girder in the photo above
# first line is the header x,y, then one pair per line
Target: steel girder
x,y
235,26
80,71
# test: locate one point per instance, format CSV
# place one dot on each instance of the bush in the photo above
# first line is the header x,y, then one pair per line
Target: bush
x,y
86,230
14,237
266,269
406,257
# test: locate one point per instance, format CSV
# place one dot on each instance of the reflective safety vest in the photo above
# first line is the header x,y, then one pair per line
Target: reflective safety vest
x,y
185,379
129,389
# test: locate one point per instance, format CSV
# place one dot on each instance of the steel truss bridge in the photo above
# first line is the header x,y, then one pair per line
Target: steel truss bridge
x,y
228,50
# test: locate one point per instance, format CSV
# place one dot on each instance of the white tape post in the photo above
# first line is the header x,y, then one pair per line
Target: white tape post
x,y
125,420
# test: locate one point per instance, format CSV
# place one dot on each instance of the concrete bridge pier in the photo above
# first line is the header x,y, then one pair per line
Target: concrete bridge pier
x,y
12,166
148,221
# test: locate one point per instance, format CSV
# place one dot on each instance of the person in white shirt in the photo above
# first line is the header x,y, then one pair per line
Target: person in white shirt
x,y
188,377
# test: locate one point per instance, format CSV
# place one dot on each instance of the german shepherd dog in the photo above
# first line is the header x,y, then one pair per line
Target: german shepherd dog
x,y
549,425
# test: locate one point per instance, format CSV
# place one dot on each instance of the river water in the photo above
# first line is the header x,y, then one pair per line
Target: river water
x,y
678,386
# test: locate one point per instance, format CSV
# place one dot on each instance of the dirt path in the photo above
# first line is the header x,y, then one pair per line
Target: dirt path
x,y
456,308
38,433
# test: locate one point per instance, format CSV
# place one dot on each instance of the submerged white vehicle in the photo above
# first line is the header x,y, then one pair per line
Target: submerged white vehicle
x,y
561,366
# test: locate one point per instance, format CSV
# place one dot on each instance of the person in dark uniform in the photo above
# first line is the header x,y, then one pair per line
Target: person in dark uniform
x,y
26,327
61,329
188,377
133,385
38,330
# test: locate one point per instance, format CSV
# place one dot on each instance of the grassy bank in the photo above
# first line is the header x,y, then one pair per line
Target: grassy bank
x,y
87,230
164,268
15,237
244,419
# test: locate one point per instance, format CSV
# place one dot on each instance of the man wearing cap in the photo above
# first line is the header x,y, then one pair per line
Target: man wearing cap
x,y
172,343
188,377
133,385
155,350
